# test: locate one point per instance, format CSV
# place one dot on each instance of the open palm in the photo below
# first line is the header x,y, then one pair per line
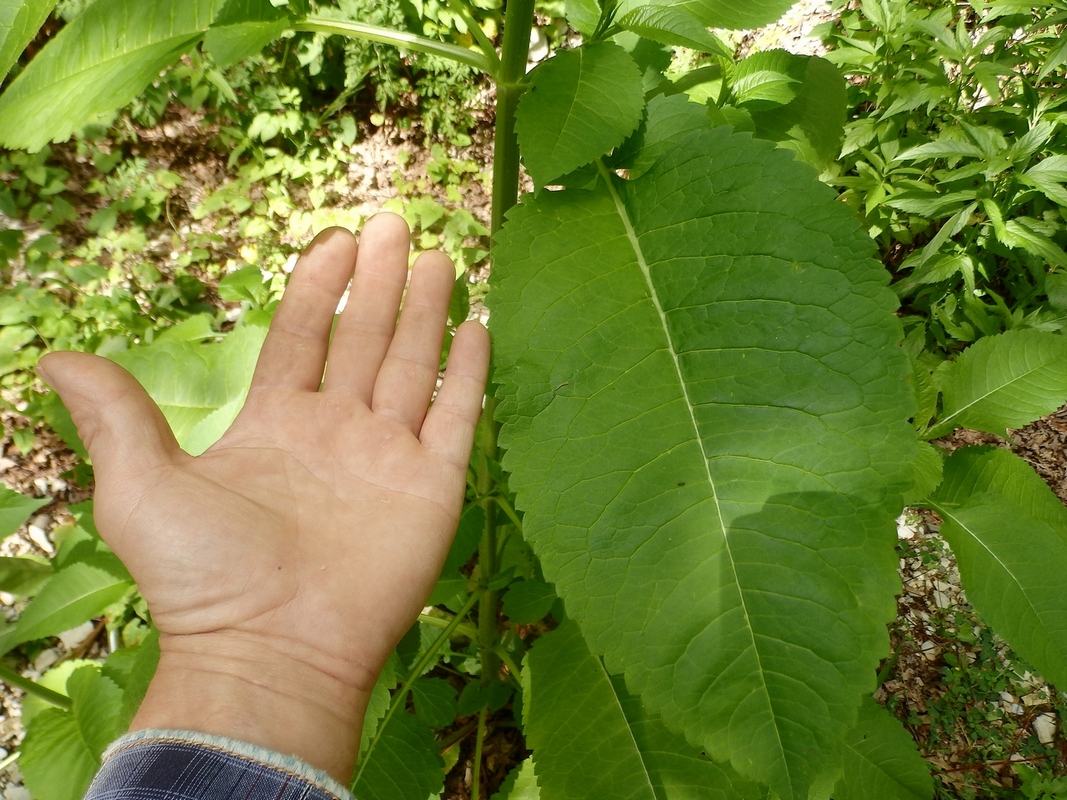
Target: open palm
x,y
317,526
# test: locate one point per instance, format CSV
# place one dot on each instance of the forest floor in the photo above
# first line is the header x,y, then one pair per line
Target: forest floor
x,y
975,710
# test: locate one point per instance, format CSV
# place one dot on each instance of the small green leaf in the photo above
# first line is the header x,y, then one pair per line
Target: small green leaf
x,y
19,22
23,575
673,26
1003,381
244,285
380,697
403,765
75,594
726,13
579,105
435,701
452,582
929,467
527,602
580,721
97,63
666,119
881,761
15,508
1008,532
1025,233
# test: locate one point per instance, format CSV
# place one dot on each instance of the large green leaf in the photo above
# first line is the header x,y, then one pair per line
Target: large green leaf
x,y
673,26
592,739
62,749
521,784
19,22
1008,532
243,28
404,764
1003,381
704,409
199,387
721,13
15,508
23,575
98,63
881,761
75,594
580,104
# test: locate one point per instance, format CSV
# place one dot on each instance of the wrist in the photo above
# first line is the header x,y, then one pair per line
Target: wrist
x,y
268,694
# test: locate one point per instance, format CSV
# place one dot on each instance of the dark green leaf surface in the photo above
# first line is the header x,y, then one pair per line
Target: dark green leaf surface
x,y
1008,532
74,595
704,409
15,508
591,739
1003,381
23,575
19,22
667,118
435,701
881,761
404,765
528,601
96,64
580,104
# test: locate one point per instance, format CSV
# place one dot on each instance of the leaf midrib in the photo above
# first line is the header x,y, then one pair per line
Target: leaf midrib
x,y
999,388
635,244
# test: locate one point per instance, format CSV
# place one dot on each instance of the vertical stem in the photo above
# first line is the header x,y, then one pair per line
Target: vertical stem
x,y
514,52
487,551
476,773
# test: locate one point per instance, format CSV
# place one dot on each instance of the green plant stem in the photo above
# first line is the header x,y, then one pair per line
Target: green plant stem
x,y
460,7
11,759
441,622
11,677
488,636
408,41
506,507
509,662
509,87
424,660
476,772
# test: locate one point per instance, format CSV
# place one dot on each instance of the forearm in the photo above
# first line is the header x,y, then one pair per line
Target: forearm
x,y
236,687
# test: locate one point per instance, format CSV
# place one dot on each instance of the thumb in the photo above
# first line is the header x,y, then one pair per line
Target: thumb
x,y
121,426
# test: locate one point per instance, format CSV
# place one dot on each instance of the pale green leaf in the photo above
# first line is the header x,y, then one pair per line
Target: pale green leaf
x,y
1003,381
54,679
579,105
141,672
674,26
798,101
520,784
243,28
97,708
378,705
1022,232
705,414
722,13
453,583
1008,532
16,508
591,739
1049,175
881,761
75,594
929,467
19,22
23,575
96,64
941,148
403,765
199,386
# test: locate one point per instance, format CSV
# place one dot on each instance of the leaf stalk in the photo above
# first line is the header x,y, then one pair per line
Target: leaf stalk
x,y
9,676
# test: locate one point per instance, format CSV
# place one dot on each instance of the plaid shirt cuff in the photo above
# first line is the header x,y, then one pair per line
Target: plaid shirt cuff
x,y
184,765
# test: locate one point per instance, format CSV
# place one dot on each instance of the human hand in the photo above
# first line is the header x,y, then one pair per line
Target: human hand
x,y
284,564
